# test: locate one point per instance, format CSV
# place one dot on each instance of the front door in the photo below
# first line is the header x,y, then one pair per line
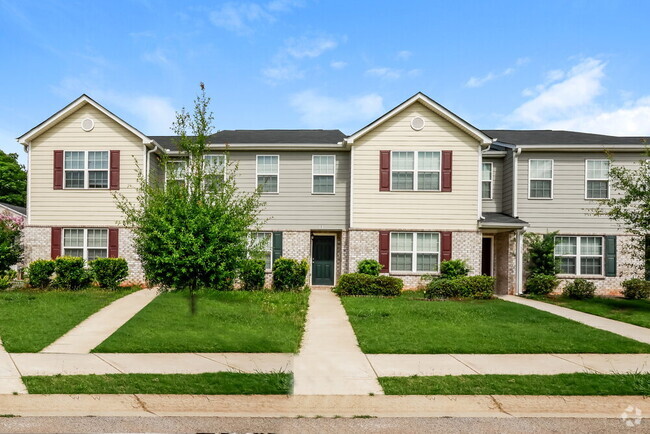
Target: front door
x,y
323,254
486,257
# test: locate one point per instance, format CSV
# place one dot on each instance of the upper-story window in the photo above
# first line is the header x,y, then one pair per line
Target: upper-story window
x,y
85,243
268,173
323,174
597,179
486,181
540,179
414,251
415,170
86,169
580,255
176,172
213,166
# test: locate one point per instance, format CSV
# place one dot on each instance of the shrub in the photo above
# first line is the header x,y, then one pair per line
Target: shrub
x,y
479,287
369,267
636,289
39,273
10,246
388,286
252,274
579,289
541,284
441,288
453,269
289,274
109,272
365,284
540,254
70,273
7,279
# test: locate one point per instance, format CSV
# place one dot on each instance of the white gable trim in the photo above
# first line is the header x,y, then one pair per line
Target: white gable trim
x,y
26,138
12,210
431,105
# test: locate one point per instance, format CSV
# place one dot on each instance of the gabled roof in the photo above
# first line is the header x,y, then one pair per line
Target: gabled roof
x,y
559,137
15,208
70,108
433,106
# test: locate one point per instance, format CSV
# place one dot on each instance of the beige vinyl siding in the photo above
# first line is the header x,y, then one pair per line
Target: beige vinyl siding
x,y
507,184
81,207
456,210
568,211
496,203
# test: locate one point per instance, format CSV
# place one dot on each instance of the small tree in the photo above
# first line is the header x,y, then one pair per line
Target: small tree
x,y
10,246
540,254
195,233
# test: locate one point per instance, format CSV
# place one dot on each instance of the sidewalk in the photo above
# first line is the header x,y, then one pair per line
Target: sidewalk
x,y
98,327
10,381
631,331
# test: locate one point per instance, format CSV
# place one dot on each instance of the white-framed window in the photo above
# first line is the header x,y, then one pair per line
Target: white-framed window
x,y
85,169
265,245
176,171
580,255
597,179
323,169
540,179
268,173
213,167
415,171
415,251
486,180
85,243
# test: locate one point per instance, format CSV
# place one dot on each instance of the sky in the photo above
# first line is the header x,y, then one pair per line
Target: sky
x,y
577,65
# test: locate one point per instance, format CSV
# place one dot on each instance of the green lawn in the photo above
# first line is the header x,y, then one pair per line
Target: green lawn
x,y
411,325
225,321
221,383
631,311
562,384
30,320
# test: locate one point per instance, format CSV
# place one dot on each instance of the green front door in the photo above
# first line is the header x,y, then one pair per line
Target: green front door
x,y
323,253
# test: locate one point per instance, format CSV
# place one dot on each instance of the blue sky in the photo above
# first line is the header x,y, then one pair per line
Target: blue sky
x,y
580,65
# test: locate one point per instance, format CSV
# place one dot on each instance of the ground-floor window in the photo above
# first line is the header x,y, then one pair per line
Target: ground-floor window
x,y
580,255
85,243
265,245
415,251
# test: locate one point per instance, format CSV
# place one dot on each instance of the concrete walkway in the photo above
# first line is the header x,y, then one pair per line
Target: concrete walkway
x,y
98,327
631,331
330,361
10,381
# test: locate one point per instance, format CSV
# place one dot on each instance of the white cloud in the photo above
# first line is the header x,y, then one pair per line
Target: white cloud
x,y
285,65
480,81
338,64
285,72
321,111
404,55
306,47
392,73
242,17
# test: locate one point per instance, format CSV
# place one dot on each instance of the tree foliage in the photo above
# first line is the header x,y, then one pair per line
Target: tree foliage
x,y
540,254
13,180
10,246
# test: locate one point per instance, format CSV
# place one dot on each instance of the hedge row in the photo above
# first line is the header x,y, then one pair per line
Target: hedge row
x,y
478,287
67,272
366,284
288,274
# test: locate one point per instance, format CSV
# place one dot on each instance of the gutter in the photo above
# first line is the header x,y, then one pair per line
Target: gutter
x,y
147,160
515,174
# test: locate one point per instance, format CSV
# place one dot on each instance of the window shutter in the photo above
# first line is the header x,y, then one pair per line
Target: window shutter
x,y
384,170
277,245
113,242
58,170
446,170
384,250
115,170
55,243
445,249
610,256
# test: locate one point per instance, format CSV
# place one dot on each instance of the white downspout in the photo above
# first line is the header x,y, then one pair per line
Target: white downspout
x,y
147,161
519,266
515,175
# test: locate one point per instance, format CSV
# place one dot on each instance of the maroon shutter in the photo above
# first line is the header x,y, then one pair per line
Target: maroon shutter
x,y
113,242
384,250
446,246
446,170
115,170
384,170
58,170
55,244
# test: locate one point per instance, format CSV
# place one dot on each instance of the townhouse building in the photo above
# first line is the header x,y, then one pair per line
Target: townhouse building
x,y
415,187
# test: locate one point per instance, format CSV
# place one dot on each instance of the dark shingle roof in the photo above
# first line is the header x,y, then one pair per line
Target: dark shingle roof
x,y
263,137
499,219
553,137
19,209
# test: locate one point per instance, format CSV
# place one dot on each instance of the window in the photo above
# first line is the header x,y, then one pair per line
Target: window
x,y
540,179
176,172
580,255
265,245
267,173
597,175
323,169
486,181
213,166
415,171
85,243
86,169
414,251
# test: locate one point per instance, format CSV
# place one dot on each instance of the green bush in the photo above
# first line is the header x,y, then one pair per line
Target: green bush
x,y
289,274
109,272
540,254
453,269
579,289
636,289
478,287
441,288
388,286
6,279
39,273
365,284
252,274
541,284
70,273
369,267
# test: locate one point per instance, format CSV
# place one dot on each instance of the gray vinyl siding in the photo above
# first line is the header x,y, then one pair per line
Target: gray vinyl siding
x,y
496,203
156,171
506,184
568,211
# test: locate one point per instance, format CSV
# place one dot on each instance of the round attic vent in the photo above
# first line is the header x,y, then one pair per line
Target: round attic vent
x,y
417,123
87,124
